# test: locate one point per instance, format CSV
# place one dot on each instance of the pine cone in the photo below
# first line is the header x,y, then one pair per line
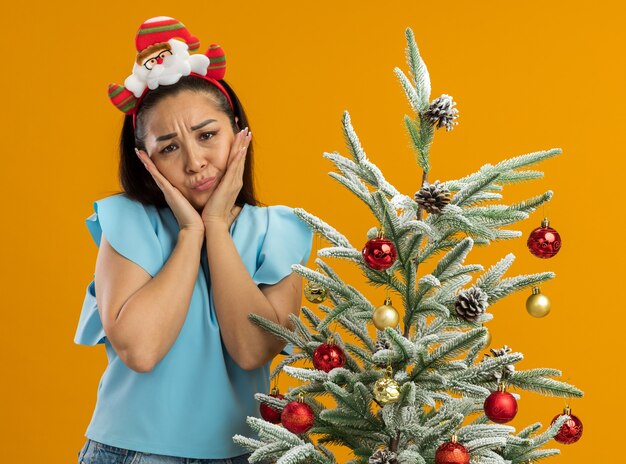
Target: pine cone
x,y
432,197
442,112
471,303
501,352
505,373
381,341
383,456
508,369
382,344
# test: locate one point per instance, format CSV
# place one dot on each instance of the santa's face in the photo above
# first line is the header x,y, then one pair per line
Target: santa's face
x,y
162,64
188,138
156,56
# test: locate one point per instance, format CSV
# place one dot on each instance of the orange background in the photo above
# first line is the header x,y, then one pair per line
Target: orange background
x,y
525,76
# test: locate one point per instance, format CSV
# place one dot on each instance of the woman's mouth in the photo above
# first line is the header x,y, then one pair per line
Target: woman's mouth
x,y
206,185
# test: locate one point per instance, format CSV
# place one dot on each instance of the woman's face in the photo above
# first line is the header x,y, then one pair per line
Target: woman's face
x,y
189,139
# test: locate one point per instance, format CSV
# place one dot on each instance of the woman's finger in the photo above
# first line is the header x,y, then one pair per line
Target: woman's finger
x,y
235,148
233,177
159,179
186,215
242,159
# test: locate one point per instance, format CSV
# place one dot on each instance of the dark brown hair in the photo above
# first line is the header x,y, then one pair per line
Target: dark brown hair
x,y
137,182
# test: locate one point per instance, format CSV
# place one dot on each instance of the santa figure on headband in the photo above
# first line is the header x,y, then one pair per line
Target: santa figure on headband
x,y
163,46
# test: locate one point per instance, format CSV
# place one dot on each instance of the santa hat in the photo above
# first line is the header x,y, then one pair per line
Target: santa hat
x,y
161,29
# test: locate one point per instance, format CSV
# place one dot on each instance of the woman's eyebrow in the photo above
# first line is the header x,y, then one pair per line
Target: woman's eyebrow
x,y
202,124
193,128
166,136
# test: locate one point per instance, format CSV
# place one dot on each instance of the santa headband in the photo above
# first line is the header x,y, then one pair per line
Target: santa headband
x,y
163,45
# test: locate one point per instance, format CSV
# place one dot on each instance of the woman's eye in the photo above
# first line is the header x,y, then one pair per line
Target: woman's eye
x,y
207,135
169,148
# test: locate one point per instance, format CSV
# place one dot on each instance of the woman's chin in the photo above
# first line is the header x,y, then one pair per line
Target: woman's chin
x,y
199,199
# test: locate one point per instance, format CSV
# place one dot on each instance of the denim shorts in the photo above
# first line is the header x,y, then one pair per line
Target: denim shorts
x,y
94,452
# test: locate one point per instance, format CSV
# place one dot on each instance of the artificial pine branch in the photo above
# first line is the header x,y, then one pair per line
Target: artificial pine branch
x,y
270,400
419,73
420,145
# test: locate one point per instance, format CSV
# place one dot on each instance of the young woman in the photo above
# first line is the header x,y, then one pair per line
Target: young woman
x,y
185,255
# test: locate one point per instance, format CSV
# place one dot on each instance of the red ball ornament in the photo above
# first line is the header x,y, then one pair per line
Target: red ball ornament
x,y
327,356
571,431
297,416
544,241
500,406
270,413
379,253
452,453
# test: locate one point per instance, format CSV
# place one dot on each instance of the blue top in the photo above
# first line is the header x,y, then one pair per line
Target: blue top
x,y
196,398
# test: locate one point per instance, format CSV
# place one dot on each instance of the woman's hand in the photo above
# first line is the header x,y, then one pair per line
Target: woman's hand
x,y
186,215
218,208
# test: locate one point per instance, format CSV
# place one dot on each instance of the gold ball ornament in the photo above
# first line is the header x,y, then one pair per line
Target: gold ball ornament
x,y
537,304
314,292
386,389
385,316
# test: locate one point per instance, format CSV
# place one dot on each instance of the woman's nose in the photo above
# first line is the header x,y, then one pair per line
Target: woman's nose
x,y
195,160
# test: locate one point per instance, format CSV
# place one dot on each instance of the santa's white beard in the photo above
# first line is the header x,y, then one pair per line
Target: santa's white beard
x,y
169,72
180,63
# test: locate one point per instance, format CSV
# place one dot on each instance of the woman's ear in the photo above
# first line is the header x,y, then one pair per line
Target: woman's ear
x,y
237,123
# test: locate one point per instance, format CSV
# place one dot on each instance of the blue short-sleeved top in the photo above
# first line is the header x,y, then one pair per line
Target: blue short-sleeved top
x,y
196,398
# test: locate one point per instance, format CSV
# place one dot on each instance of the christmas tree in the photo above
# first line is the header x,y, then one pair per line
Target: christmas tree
x,y
415,392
